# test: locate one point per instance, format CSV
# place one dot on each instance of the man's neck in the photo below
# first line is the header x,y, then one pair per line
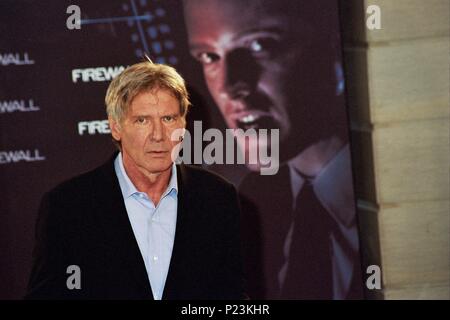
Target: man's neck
x,y
314,158
152,183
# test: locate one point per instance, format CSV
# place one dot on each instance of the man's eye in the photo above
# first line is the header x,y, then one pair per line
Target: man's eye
x,y
141,120
207,57
255,46
168,119
263,45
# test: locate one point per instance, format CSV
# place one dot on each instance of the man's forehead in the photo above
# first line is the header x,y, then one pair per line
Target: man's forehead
x,y
212,19
205,17
154,95
154,100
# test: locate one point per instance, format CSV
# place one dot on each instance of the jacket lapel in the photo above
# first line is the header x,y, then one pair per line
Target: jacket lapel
x,y
176,267
117,227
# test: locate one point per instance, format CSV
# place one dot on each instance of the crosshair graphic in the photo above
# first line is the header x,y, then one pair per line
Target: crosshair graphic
x,y
151,31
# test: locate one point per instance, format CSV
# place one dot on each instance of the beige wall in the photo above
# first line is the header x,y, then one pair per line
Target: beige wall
x,y
398,87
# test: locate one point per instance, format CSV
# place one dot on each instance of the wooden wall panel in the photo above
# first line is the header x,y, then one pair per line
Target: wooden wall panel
x,y
400,20
409,80
410,19
420,292
411,160
415,243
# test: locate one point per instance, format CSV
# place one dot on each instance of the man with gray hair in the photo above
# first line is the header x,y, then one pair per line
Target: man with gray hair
x,y
139,226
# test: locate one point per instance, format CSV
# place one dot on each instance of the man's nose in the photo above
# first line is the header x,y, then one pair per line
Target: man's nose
x,y
157,133
239,75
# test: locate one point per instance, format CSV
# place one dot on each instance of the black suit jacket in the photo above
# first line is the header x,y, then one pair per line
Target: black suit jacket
x,y
84,222
266,201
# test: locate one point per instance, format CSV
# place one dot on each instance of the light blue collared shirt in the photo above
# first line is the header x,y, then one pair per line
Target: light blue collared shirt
x,y
153,227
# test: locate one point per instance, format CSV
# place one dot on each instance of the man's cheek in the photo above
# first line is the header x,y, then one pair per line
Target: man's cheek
x,y
214,87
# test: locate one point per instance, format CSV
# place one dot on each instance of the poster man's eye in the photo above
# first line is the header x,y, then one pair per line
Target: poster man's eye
x,y
207,57
256,46
264,45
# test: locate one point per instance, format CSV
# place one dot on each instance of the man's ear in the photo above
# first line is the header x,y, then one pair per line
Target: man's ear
x,y
115,129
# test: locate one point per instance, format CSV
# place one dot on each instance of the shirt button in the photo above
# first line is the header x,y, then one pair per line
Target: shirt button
x,y
155,258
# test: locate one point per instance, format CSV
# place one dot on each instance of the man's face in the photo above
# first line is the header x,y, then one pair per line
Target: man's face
x,y
253,64
146,129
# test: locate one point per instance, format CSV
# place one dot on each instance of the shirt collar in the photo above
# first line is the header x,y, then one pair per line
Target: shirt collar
x,y
297,182
172,187
333,187
128,188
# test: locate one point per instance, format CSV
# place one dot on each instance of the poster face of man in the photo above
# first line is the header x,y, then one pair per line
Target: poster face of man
x,y
276,65
260,65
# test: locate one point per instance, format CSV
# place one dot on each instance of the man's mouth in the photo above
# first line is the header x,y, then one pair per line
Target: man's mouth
x,y
256,121
156,153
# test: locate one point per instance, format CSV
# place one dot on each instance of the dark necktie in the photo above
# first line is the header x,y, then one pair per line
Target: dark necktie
x,y
309,273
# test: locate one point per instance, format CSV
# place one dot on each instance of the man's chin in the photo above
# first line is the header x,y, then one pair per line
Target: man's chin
x,y
156,164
